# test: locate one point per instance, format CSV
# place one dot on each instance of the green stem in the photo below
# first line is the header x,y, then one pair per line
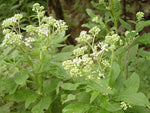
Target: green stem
x,y
112,58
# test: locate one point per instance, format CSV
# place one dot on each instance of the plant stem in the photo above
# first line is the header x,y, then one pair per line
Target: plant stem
x,y
127,58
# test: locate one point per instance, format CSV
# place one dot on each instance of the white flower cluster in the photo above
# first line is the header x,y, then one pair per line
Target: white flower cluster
x,y
106,63
31,29
84,37
98,73
94,31
60,25
139,16
49,20
112,40
28,41
95,19
103,47
12,39
78,65
5,31
39,9
124,106
43,30
79,51
11,21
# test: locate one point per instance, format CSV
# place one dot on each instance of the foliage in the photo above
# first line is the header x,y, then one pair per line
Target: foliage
x,y
102,74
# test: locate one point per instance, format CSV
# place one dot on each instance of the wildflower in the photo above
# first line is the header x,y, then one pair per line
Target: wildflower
x,y
95,19
60,25
49,20
106,63
43,30
103,46
79,51
36,7
111,39
31,29
74,72
5,31
67,64
94,31
18,16
12,39
9,22
139,16
84,37
28,41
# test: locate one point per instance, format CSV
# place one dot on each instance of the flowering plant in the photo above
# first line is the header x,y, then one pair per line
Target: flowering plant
x,y
98,75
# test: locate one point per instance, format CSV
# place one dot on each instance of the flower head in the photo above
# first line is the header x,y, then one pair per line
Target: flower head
x,y
84,37
140,16
94,31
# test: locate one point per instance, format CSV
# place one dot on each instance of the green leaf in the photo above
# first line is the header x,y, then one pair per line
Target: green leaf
x,y
138,109
50,85
90,13
100,85
111,107
132,55
144,39
94,96
133,82
99,6
125,24
69,98
6,108
140,25
68,48
70,86
8,85
42,105
138,99
115,73
22,95
62,56
59,38
21,77
76,108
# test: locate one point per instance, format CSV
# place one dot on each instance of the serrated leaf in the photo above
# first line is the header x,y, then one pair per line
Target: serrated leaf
x,y
42,105
69,98
125,24
94,96
69,86
21,77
